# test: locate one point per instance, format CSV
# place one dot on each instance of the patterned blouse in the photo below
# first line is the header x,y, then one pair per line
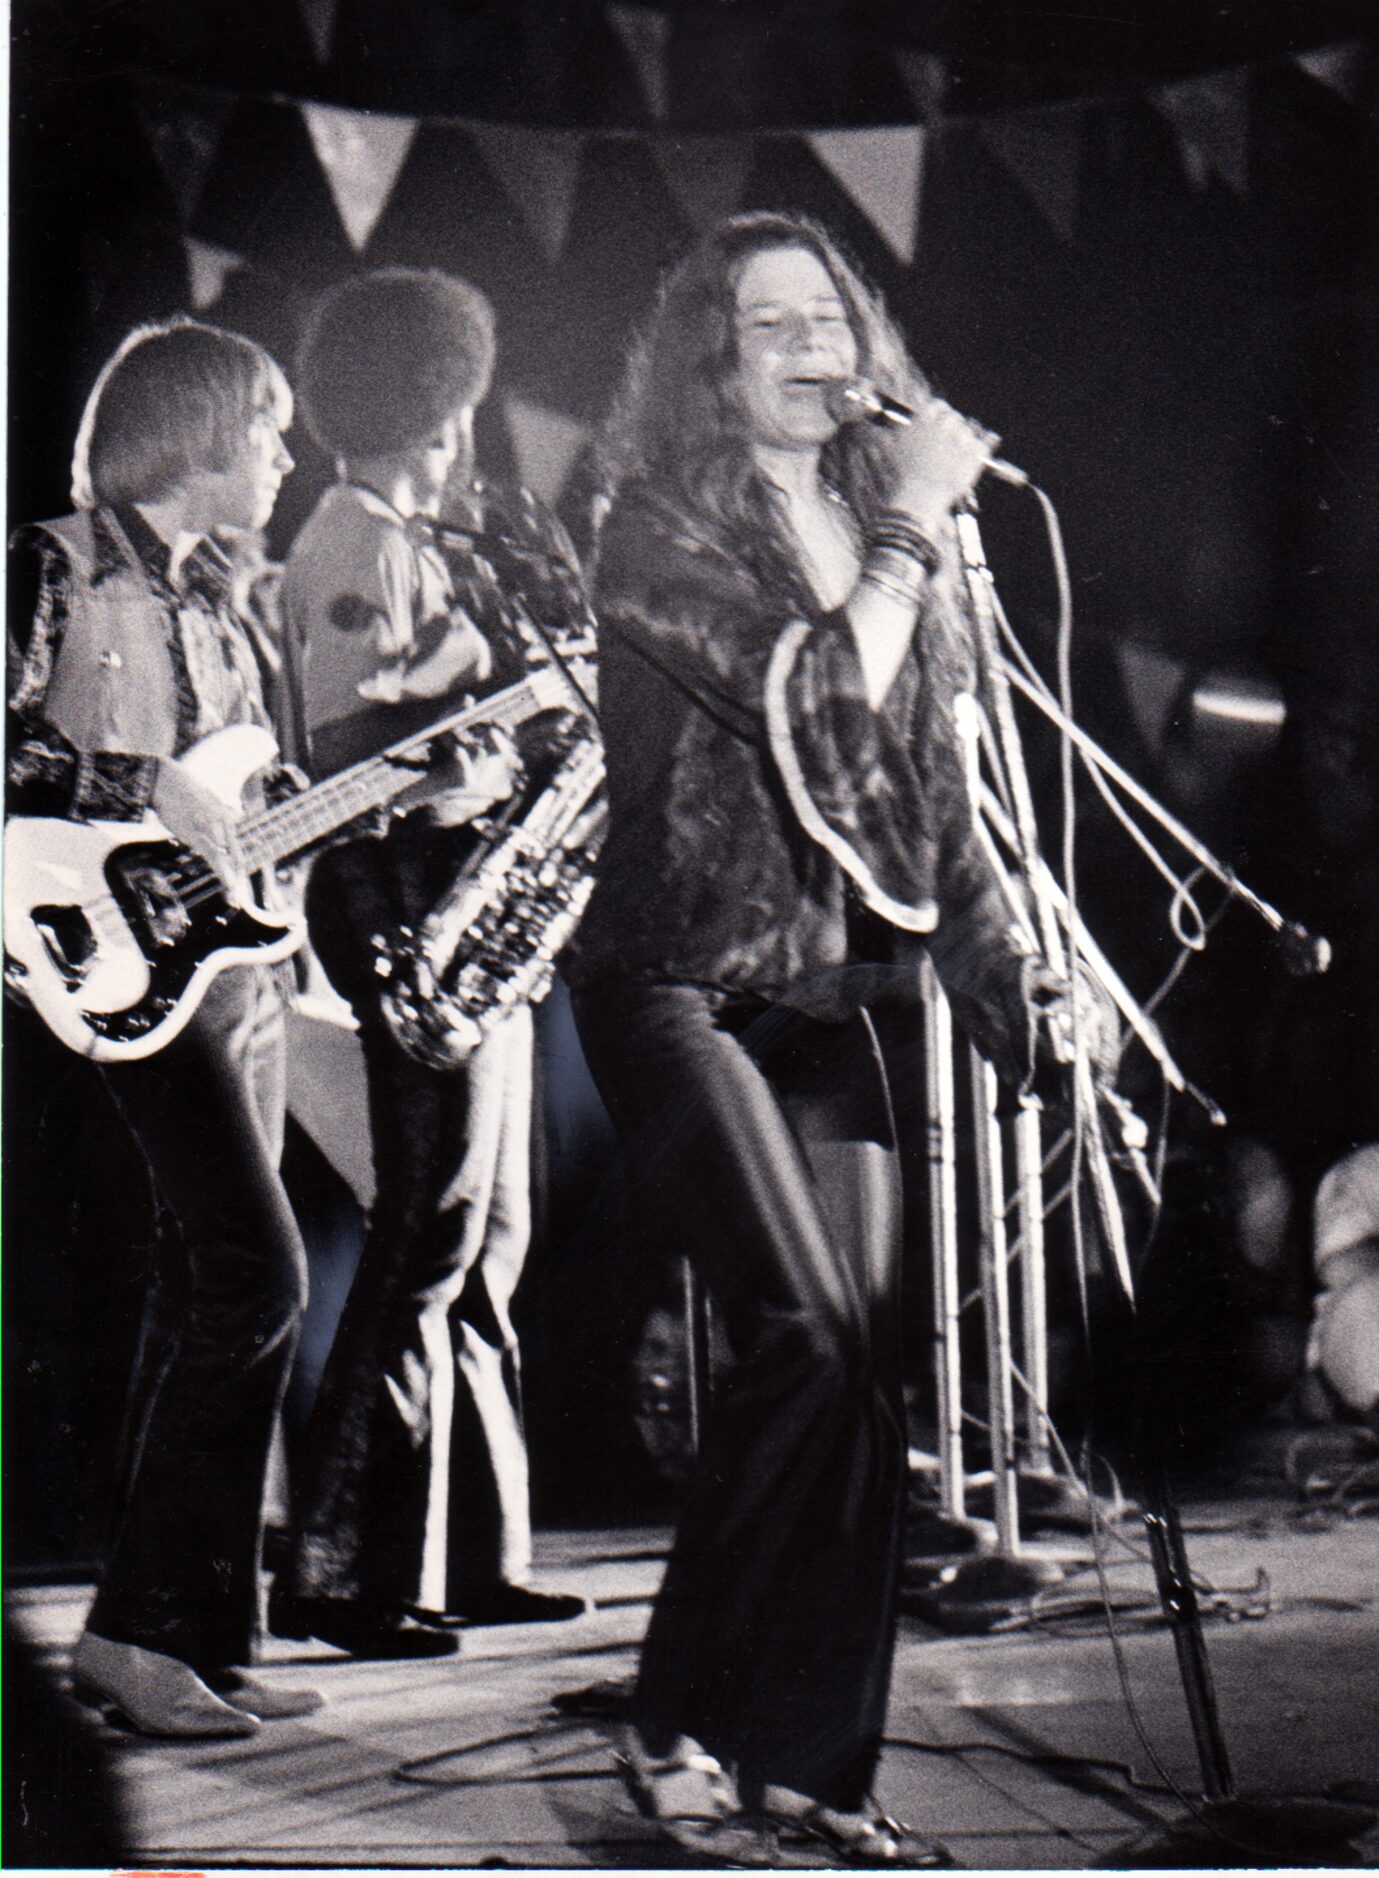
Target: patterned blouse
x,y
708,875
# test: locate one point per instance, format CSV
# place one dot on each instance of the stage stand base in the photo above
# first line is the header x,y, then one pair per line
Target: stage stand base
x,y
1249,1830
931,1534
975,1595
1049,1502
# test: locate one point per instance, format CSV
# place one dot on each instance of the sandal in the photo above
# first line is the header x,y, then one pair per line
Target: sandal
x,y
871,1840
693,1804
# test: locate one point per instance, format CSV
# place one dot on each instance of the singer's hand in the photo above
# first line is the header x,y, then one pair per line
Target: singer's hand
x,y
938,459
1084,1019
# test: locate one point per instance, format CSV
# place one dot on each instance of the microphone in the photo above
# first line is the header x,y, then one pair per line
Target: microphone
x,y
482,540
445,536
856,401
1305,954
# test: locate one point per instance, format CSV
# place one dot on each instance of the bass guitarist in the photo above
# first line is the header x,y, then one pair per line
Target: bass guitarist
x,y
125,650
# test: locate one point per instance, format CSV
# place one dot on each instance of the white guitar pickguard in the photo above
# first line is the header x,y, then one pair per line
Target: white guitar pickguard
x,y
58,863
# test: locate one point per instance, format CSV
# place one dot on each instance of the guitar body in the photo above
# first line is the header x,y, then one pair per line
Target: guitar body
x,y
113,931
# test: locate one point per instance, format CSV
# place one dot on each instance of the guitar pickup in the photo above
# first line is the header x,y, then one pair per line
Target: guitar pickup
x,y
159,906
68,940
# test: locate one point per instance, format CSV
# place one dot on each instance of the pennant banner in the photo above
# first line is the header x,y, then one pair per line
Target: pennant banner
x,y
1154,685
925,77
1042,150
318,16
360,154
1211,118
1340,68
881,172
538,171
704,174
645,35
208,269
183,130
545,444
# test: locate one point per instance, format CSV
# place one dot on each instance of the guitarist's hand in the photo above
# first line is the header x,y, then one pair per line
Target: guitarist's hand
x,y
484,773
201,821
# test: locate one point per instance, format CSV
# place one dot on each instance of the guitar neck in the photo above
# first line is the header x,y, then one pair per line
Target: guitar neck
x,y
289,828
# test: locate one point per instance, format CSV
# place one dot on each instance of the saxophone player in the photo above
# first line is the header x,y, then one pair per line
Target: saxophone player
x,y
411,1505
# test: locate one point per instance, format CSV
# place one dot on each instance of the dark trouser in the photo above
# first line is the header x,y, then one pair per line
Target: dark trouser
x,y
763,1145
412,1485
225,1300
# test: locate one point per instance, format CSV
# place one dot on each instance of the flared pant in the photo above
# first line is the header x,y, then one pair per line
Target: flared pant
x,y
223,1307
411,1487
762,1144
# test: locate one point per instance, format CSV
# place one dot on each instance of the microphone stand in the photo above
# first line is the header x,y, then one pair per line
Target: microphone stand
x,y
1261,1828
1305,954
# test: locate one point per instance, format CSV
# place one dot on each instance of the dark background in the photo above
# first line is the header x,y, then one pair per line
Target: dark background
x,y
1190,364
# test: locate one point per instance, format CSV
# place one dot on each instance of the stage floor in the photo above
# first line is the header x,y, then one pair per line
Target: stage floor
x,y
1018,1749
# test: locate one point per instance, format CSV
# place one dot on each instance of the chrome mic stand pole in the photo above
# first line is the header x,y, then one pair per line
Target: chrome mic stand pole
x,y
940,1112
1305,953
995,1279
1034,1333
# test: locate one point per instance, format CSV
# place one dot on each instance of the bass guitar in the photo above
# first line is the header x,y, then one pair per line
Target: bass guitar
x,y
114,930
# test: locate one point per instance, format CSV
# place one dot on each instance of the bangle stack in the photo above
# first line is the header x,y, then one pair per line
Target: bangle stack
x,y
901,558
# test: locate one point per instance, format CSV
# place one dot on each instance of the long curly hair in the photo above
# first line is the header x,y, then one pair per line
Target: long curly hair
x,y
678,423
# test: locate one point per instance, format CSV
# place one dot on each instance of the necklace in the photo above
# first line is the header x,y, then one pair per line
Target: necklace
x,y
831,543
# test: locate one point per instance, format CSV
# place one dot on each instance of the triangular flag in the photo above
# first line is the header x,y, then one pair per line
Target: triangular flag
x,y
925,76
1340,68
360,153
1042,150
645,34
538,170
318,16
183,129
881,170
704,174
1154,685
208,269
1211,116
545,444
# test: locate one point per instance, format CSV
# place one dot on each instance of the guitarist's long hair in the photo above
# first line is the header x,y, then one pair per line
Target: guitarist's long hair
x,y
172,399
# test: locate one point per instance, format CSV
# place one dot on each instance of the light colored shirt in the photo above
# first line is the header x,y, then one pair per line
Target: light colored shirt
x,y
372,612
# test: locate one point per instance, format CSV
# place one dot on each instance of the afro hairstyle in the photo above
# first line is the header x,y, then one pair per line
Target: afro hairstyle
x,y
388,356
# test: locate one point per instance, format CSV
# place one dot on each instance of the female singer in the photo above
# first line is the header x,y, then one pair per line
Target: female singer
x,y
780,648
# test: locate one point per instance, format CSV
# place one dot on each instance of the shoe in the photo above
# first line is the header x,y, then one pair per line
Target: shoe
x,y
366,1631
159,1695
266,1700
869,1840
508,1604
693,1805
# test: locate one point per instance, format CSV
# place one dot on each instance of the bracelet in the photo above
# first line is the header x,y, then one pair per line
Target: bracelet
x,y
893,529
895,574
908,590
904,595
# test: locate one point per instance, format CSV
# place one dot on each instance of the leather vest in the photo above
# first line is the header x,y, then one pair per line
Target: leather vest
x,y
113,686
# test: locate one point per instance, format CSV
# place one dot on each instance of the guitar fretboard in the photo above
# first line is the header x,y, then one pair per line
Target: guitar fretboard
x,y
290,827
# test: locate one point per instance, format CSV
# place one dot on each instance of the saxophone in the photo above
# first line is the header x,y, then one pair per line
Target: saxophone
x,y
491,941
490,944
